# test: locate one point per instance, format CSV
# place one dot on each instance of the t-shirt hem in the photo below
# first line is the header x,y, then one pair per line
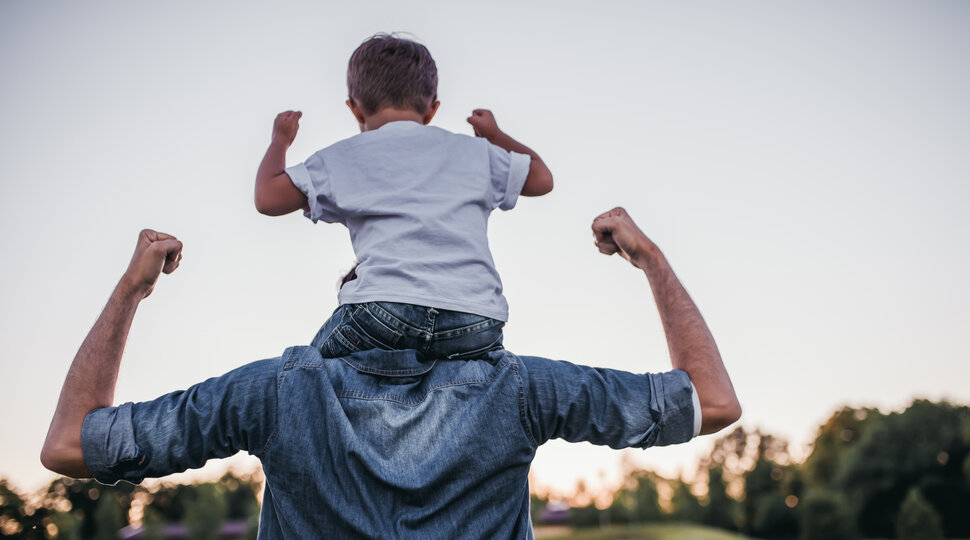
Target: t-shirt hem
x,y
437,303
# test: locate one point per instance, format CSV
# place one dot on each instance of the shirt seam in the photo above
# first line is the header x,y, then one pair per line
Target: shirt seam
x,y
523,413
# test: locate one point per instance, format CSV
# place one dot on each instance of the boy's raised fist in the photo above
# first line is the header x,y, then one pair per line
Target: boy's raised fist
x,y
285,126
483,122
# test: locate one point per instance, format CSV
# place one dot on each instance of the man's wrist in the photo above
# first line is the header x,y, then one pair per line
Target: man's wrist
x,y
130,288
647,255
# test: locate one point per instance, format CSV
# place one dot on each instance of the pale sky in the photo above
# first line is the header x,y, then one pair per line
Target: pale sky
x,y
804,166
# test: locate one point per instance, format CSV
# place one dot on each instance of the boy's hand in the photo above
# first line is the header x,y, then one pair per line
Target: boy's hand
x,y
483,122
285,127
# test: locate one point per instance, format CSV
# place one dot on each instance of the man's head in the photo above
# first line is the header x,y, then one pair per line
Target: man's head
x,y
387,71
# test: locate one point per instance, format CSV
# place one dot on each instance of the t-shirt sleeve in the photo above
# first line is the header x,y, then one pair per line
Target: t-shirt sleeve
x,y
184,429
607,407
509,171
313,179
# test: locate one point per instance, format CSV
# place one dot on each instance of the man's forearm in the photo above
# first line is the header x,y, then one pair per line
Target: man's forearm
x,y
90,382
692,347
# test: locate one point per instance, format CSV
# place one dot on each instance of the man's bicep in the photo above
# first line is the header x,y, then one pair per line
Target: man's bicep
x,y
182,430
608,407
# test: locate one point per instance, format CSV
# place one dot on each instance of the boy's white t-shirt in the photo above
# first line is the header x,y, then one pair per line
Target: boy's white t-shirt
x,y
416,200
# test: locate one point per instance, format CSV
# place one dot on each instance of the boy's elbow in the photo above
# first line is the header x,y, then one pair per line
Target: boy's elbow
x,y
538,185
265,206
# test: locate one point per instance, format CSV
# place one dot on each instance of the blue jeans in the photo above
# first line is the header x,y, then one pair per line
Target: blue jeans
x,y
434,333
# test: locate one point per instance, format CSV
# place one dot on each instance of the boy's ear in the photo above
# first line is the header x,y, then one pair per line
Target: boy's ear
x,y
430,112
358,113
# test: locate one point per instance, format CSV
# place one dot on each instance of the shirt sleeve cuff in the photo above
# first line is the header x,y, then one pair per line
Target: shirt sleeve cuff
x,y
300,177
518,172
697,409
108,444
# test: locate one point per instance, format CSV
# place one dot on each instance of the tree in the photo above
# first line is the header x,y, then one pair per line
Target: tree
x,y
204,517
68,525
839,434
720,509
686,506
825,516
107,517
18,518
923,446
153,524
917,519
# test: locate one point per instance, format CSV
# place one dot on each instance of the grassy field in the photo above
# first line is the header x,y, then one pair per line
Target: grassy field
x,y
642,532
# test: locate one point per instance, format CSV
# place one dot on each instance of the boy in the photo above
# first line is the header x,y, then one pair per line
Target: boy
x,y
416,200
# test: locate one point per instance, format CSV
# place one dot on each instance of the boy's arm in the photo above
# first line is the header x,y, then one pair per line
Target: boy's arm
x,y
539,180
275,193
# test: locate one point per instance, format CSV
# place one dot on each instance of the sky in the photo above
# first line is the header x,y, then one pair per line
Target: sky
x,y
803,165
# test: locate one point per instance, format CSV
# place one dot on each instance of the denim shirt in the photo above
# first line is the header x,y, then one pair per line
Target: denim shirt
x,y
380,444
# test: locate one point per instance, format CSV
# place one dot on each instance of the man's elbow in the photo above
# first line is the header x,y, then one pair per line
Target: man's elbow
x,y
67,460
714,419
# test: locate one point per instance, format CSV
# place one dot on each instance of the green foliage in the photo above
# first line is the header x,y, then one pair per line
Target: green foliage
x,y
204,517
686,506
917,519
913,448
825,516
639,503
83,497
721,508
108,517
966,470
774,519
840,433
68,525
153,524
584,516
240,494
536,506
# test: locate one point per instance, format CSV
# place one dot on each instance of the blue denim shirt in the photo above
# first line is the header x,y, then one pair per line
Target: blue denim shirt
x,y
380,444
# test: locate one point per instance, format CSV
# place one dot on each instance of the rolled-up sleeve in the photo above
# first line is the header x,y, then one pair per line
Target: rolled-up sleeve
x,y
509,171
184,429
607,407
313,179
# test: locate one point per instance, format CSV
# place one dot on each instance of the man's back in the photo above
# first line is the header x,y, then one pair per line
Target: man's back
x,y
376,445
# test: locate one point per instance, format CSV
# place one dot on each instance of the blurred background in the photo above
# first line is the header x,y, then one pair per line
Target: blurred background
x,y
804,167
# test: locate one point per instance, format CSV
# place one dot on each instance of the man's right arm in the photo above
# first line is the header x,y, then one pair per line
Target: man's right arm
x,y
692,347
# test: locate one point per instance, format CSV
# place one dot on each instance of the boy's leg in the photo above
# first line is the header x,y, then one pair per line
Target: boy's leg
x,y
354,328
328,328
461,335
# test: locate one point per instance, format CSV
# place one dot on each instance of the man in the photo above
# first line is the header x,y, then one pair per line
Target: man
x,y
384,444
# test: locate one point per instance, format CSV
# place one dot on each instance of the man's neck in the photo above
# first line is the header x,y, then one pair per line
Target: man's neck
x,y
387,115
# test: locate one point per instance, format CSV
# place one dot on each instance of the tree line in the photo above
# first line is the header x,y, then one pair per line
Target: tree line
x,y
869,475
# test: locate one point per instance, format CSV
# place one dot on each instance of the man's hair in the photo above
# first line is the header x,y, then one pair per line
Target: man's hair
x,y
389,71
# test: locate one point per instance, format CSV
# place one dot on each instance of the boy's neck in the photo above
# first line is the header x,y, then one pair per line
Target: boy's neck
x,y
388,115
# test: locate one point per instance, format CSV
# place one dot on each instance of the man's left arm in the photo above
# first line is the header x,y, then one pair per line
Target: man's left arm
x,y
90,382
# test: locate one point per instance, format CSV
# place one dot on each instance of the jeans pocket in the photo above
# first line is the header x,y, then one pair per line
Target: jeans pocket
x,y
359,331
